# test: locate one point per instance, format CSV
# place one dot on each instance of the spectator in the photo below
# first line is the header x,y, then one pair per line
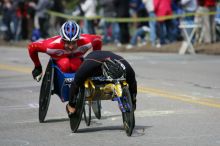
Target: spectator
x,y
189,6
122,11
177,10
149,5
165,26
137,8
41,16
111,30
217,20
58,6
142,28
16,19
22,14
208,21
89,9
1,3
30,15
7,18
139,33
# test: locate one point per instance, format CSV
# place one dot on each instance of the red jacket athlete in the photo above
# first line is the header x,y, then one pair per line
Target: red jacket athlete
x,y
67,49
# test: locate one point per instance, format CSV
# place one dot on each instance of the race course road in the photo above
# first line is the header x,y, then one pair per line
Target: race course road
x,y
178,104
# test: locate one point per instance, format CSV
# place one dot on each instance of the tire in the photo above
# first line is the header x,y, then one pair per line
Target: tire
x,y
87,112
96,107
76,119
127,116
45,92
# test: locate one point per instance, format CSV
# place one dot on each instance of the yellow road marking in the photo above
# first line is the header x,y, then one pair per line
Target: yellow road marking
x,y
171,95
191,99
15,68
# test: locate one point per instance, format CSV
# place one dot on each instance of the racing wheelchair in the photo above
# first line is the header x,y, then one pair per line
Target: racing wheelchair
x,y
94,89
56,82
108,86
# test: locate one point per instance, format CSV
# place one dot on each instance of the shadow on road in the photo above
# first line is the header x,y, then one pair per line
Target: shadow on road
x,y
56,120
139,130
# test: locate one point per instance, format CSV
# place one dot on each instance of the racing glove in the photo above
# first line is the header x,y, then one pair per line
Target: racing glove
x,y
37,73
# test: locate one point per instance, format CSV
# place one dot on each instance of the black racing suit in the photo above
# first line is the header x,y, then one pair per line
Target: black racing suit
x,y
92,67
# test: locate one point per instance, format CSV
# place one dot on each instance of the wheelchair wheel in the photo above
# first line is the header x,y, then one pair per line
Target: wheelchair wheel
x,y
45,93
128,115
87,112
96,107
76,119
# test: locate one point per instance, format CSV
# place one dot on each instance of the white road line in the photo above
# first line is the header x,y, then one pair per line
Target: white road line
x,y
34,105
18,142
140,114
114,115
17,107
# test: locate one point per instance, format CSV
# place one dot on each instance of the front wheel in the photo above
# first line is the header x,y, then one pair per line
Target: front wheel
x,y
76,119
45,92
96,107
127,116
87,112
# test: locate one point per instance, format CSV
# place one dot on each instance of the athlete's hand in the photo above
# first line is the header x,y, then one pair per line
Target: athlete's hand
x,y
37,73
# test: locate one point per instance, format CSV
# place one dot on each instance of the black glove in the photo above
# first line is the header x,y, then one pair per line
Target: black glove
x,y
37,73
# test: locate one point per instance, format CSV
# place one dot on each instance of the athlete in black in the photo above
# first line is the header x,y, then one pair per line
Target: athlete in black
x,y
92,67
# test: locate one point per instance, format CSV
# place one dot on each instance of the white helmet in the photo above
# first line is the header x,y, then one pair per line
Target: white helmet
x,y
70,31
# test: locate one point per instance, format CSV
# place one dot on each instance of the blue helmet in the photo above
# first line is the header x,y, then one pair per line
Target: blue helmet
x,y
70,31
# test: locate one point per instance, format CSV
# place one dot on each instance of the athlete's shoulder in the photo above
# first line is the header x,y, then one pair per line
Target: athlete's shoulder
x,y
54,39
83,40
84,37
91,36
52,43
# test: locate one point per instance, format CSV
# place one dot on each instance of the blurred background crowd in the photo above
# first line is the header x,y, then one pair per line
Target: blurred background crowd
x,y
30,20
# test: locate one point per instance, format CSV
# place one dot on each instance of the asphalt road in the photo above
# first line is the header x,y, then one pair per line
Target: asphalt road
x,y
178,105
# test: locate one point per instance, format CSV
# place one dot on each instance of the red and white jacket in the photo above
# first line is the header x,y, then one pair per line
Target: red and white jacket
x,y
54,47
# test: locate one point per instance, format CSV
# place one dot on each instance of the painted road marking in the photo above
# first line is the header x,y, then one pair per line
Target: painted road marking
x,y
34,105
190,99
145,113
14,142
113,115
15,68
176,96
17,107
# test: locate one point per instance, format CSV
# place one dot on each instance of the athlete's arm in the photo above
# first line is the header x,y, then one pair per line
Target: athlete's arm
x,y
95,40
33,49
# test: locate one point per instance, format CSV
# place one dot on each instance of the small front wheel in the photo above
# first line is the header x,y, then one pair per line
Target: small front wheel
x,y
87,112
96,107
128,115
